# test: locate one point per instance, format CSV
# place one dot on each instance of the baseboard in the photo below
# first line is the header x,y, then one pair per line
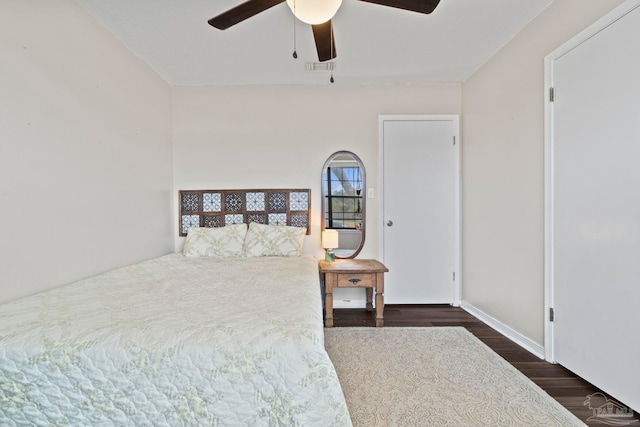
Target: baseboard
x,y
515,336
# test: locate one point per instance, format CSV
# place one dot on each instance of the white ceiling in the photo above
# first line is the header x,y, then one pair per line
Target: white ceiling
x,y
375,44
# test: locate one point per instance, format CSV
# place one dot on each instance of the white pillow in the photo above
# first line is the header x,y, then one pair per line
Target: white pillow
x,y
215,242
273,240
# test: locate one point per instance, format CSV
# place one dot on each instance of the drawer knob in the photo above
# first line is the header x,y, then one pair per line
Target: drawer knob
x,y
354,281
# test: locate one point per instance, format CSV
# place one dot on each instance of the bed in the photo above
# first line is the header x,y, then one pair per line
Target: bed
x,y
185,339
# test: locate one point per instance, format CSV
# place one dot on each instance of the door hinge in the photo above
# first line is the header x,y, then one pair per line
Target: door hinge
x,y
552,314
552,94
454,140
454,276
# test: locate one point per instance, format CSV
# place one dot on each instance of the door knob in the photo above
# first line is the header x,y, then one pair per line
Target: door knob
x,y
389,223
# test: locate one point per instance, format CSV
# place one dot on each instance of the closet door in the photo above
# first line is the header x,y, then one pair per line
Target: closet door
x,y
596,209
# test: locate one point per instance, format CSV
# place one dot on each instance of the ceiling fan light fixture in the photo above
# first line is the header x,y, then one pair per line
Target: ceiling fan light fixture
x,y
314,12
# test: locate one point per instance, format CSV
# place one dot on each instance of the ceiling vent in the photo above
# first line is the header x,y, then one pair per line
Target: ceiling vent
x,y
320,66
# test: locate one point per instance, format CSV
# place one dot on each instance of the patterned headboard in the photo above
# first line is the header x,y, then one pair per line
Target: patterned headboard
x,y
217,208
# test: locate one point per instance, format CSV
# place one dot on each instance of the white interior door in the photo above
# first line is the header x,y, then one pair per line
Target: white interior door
x,y
420,209
596,209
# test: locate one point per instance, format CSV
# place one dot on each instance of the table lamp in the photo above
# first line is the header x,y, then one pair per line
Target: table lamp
x,y
329,243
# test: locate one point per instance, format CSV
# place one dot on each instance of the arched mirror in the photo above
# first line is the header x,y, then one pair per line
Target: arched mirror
x,y
344,201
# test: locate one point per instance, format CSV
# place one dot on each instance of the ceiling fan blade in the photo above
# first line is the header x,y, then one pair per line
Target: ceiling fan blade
x,y
420,6
325,42
241,12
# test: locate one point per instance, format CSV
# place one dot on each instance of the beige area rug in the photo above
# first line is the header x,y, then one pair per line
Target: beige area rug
x,y
440,376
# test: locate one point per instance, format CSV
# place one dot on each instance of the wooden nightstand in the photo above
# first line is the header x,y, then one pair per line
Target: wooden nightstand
x,y
349,273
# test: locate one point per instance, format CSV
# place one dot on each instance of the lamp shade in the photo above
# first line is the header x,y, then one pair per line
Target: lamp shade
x,y
330,239
314,12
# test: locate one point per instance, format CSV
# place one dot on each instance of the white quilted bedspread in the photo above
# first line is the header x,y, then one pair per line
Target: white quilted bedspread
x,y
173,341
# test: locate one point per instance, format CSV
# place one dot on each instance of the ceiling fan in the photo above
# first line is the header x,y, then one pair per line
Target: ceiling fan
x,y
305,11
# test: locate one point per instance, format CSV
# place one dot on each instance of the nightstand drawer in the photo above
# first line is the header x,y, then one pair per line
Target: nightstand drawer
x,y
356,279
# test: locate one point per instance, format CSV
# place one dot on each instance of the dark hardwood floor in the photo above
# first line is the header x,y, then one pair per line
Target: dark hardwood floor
x,y
561,384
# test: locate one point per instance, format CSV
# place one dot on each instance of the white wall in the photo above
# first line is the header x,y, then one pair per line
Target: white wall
x,y
503,170
85,150
280,137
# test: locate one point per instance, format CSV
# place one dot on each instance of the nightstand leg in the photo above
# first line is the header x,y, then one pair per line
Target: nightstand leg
x,y
328,309
369,299
379,309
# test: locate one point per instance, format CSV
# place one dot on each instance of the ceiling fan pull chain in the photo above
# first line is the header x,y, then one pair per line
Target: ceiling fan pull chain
x,y
331,80
295,53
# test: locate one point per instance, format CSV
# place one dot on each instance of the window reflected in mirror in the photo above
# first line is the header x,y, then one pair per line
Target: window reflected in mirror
x,y
343,201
